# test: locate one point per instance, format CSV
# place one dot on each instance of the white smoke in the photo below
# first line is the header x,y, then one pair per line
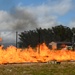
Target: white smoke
x,y
31,17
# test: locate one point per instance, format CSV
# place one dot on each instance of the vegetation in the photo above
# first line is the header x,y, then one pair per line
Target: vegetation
x,y
38,69
58,33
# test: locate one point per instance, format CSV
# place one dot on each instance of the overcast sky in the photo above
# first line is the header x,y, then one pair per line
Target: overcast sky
x,y
31,14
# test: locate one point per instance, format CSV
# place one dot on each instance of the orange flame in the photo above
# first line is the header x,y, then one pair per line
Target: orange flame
x,y
0,39
15,55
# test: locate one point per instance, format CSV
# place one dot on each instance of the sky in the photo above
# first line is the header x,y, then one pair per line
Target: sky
x,y
31,14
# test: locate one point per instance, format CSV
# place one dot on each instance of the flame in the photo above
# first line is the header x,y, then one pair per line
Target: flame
x,y
16,55
0,39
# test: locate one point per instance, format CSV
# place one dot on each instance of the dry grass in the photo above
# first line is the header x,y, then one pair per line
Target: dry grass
x,y
38,69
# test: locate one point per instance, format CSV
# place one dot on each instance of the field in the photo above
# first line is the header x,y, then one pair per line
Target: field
x,y
38,69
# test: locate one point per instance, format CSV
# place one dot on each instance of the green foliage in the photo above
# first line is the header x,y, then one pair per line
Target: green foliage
x,y
58,33
28,38
35,37
62,33
73,29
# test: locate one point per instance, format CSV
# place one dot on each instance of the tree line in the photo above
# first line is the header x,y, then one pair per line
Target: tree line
x,y
58,33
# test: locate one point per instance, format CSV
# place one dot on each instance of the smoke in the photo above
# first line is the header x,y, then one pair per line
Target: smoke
x,y
23,19
16,20
30,17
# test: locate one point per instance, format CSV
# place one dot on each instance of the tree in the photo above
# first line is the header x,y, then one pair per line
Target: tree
x,y
28,38
62,33
73,30
58,33
35,37
45,35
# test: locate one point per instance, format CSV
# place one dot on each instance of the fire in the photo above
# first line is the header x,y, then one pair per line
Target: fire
x,y
16,55
0,39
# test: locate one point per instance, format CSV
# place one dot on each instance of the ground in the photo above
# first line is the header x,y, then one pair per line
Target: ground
x,y
38,69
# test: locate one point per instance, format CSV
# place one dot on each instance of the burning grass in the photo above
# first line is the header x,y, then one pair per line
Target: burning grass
x,y
15,55
37,69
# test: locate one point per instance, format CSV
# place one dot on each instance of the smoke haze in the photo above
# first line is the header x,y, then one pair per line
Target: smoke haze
x,y
16,17
23,20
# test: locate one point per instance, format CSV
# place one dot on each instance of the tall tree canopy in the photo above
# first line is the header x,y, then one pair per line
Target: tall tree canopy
x,y
58,33
62,33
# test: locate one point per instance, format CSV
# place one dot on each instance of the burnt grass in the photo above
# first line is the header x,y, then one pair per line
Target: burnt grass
x,y
37,69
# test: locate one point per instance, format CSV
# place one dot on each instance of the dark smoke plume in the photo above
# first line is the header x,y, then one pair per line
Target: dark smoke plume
x,y
24,20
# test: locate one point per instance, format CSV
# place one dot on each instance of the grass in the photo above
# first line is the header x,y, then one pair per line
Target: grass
x,y
37,69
